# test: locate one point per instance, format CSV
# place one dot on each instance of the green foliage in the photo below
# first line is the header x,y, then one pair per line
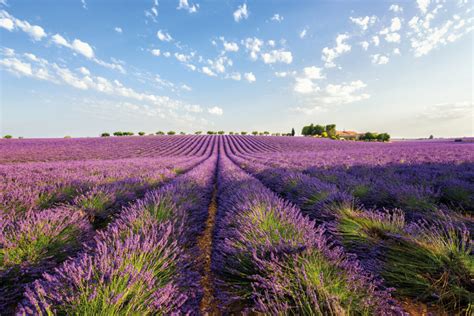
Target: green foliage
x,y
118,134
331,130
8,136
160,133
210,132
384,137
292,132
171,133
324,134
221,132
254,133
104,135
198,133
243,133
141,133
182,133
67,136
311,130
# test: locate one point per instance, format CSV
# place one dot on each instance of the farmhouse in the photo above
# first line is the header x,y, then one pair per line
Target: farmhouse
x,y
349,135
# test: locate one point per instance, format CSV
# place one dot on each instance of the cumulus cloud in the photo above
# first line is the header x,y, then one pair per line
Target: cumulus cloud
x,y
11,23
118,30
423,5
277,56
207,71
364,22
378,59
184,5
241,13
330,54
305,83
235,76
215,111
164,36
376,40
250,77
253,46
230,46
155,52
364,44
182,57
396,8
392,38
277,18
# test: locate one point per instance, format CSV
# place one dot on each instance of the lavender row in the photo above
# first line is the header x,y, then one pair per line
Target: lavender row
x,y
439,176
142,263
37,241
28,150
270,259
413,257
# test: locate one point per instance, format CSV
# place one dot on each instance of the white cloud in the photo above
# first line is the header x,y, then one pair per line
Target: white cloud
x,y
182,57
84,4
448,111
235,76
184,5
396,51
6,23
155,52
82,48
392,38
277,56
330,54
380,59
396,24
231,46
423,5
241,13
207,71
186,87
164,36
276,17
281,74
365,45
11,23
250,77
84,71
396,8
364,22
253,45
215,111
167,54
118,29
17,66
153,12
305,83
303,33
195,108
376,40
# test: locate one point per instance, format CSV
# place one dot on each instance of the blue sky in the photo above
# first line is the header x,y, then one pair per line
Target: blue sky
x,y
83,67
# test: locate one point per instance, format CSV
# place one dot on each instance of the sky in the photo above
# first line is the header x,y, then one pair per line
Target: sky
x,y
83,67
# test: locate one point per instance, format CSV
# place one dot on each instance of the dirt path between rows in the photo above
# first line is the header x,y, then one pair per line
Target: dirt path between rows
x,y
209,305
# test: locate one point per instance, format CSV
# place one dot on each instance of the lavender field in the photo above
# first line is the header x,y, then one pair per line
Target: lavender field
x,y
234,224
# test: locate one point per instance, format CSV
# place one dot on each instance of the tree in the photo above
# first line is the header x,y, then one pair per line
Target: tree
x,y
182,133
231,133
141,133
306,130
324,134
118,134
266,133
210,133
318,130
221,132
104,135
8,136
127,133
160,133
292,132
384,137
369,136
331,130
171,133
254,133
243,133
431,137
198,133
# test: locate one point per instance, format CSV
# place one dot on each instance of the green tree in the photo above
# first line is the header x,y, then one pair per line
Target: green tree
x,y
198,133
8,136
231,133
318,130
160,133
324,134
104,135
384,137
141,133
118,133
210,133
431,137
243,133
171,133
221,132
182,133
292,132
331,130
254,133
266,133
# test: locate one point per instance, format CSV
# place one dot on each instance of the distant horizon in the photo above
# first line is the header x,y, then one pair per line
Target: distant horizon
x,y
83,67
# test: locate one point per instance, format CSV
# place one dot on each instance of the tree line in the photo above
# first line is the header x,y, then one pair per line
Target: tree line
x,y
329,131
255,133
